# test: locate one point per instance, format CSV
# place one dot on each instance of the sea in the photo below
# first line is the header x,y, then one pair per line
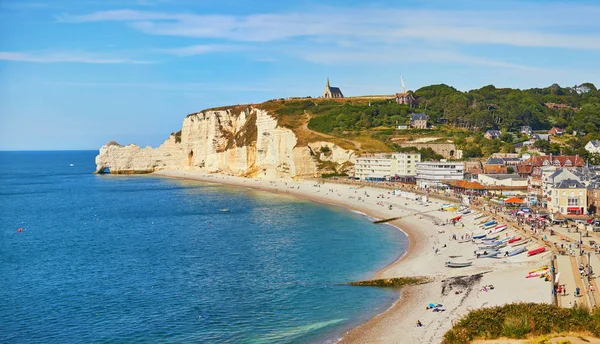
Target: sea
x,y
88,258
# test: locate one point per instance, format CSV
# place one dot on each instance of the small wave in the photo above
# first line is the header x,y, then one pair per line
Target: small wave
x,y
294,332
364,214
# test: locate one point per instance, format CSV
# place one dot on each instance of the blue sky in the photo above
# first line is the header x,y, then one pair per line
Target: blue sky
x,y
77,74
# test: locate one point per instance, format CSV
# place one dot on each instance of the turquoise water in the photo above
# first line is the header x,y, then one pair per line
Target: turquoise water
x,y
143,259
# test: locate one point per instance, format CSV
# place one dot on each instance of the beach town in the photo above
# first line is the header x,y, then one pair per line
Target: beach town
x,y
474,253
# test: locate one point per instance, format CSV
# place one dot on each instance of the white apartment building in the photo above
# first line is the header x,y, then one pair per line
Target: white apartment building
x,y
386,166
433,172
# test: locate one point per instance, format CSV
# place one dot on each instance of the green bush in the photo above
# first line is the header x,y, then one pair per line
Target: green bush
x,y
522,319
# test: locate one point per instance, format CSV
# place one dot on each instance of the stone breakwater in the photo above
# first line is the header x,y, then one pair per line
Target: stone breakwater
x,y
243,142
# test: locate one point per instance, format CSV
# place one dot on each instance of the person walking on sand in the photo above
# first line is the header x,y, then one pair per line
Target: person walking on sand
x,y
419,324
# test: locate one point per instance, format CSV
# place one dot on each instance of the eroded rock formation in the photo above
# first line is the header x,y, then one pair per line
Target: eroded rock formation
x,y
237,141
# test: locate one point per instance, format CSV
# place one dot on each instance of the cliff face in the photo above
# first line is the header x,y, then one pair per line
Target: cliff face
x,y
243,142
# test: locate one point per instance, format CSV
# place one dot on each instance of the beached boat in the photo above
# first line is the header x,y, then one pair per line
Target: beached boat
x,y
458,265
488,254
464,241
536,251
514,240
517,251
519,243
490,223
535,274
545,267
456,218
498,229
478,216
479,236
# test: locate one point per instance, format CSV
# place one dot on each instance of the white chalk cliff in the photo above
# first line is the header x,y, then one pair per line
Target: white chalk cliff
x,y
243,142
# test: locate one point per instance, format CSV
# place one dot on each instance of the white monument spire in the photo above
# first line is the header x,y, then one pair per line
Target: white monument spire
x,y
403,86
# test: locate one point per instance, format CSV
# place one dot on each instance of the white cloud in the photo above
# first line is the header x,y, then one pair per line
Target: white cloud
x,y
199,49
532,26
63,57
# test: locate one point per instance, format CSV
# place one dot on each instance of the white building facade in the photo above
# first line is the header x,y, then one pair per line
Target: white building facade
x,y
432,173
386,166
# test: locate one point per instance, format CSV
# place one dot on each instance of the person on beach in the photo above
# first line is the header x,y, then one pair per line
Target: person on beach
x,y
419,324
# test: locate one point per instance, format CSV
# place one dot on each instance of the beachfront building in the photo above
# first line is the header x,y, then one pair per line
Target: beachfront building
x,y
386,166
332,92
551,177
569,197
433,173
593,197
503,180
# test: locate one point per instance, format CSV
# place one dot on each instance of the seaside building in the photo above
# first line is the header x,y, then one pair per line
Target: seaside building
x,y
556,131
569,197
418,121
433,173
507,183
386,166
492,134
404,98
593,146
332,92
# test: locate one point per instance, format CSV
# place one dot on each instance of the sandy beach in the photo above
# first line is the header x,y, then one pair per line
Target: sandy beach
x,y
431,245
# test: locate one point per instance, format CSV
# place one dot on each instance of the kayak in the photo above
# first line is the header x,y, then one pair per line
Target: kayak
x,y
545,267
479,236
498,229
519,243
536,251
513,240
456,218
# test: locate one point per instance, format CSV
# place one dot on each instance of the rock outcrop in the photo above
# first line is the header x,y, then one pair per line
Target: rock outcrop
x,y
236,141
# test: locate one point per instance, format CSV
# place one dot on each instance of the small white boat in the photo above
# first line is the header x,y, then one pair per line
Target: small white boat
x,y
517,251
458,265
520,243
478,216
224,210
486,254
71,165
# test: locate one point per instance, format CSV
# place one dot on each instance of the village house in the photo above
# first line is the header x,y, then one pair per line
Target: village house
x,y
526,130
593,196
492,134
534,166
556,131
536,137
405,98
551,177
494,166
569,197
418,120
593,147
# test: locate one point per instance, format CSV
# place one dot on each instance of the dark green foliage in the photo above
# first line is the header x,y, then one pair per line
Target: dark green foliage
x,y
340,116
391,282
332,175
493,108
520,320
427,154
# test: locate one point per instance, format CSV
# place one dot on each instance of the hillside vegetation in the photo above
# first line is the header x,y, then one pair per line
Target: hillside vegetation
x,y
368,124
522,320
